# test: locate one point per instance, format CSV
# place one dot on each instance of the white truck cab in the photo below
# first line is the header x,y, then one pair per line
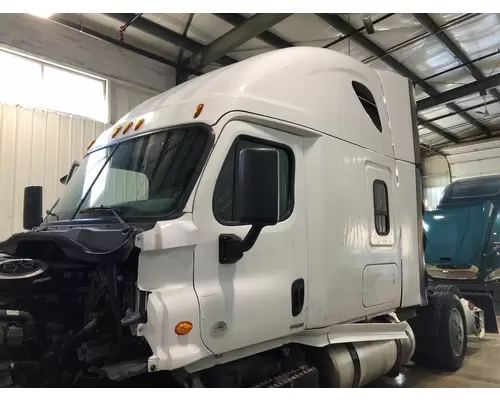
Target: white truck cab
x,y
267,213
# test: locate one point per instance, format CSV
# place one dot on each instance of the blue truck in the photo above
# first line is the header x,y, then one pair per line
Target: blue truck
x,y
462,242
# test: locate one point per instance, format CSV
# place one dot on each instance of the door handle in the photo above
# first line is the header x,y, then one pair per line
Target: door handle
x,y
298,295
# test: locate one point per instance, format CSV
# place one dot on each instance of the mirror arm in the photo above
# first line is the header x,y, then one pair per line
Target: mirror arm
x,y
231,247
251,238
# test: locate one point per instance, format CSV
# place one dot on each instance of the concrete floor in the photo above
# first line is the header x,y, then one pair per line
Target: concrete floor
x,y
481,369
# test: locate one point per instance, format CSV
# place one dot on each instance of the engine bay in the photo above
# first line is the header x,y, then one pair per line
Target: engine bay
x,y
69,313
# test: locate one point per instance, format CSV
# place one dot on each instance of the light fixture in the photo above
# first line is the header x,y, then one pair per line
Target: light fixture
x,y
42,14
368,23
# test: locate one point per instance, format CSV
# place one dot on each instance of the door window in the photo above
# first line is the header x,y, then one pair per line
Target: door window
x,y
223,199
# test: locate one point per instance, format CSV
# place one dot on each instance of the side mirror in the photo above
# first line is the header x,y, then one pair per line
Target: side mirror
x,y
65,179
257,187
32,213
256,200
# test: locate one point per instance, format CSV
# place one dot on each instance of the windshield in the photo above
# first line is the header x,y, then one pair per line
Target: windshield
x,y
471,191
145,177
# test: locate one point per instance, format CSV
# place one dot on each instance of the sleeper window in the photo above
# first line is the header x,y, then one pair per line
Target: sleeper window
x,y
381,208
368,102
224,188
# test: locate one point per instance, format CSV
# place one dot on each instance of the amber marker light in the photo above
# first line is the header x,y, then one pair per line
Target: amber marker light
x,y
117,131
138,124
127,127
199,109
183,328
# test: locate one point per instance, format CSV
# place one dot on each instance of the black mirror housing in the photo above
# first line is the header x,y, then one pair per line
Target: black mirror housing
x,y
257,187
256,200
32,212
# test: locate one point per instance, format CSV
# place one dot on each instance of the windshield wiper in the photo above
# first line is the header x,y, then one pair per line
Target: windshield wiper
x,y
48,212
104,208
46,222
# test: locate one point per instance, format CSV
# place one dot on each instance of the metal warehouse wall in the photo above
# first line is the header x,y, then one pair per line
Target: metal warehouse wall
x,y
123,98
36,148
132,78
436,172
53,42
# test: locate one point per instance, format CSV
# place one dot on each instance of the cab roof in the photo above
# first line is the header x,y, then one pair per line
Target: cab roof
x,y
307,86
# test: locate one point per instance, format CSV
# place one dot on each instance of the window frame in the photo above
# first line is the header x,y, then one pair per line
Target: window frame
x,y
42,64
291,176
377,213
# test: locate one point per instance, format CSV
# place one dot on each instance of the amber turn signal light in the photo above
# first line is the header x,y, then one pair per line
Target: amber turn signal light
x,y
183,328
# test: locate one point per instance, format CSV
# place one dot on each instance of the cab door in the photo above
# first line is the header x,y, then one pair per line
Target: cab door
x,y
263,296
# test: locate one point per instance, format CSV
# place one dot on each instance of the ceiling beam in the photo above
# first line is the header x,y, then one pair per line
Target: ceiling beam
x,y
267,37
450,24
461,91
485,104
436,129
180,75
346,29
431,150
469,118
237,36
461,65
344,37
343,27
275,41
427,22
78,27
160,32
125,26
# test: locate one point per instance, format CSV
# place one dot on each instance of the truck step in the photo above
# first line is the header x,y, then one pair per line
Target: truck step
x,y
304,376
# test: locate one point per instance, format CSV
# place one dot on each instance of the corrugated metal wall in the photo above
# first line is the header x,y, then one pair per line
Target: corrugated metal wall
x,y
37,147
123,98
